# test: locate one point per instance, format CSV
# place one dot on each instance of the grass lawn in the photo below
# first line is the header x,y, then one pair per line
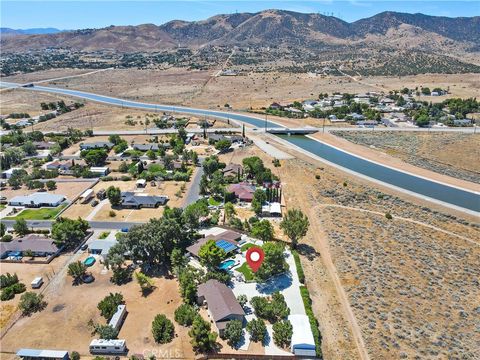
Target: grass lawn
x,y
247,246
2,206
37,214
246,271
213,202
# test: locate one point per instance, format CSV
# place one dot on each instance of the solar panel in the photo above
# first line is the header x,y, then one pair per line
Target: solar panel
x,y
226,246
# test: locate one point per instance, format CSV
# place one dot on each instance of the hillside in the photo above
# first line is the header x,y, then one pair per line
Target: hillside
x,y
270,27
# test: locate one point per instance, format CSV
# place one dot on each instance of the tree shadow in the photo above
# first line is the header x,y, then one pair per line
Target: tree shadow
x,y
148,291
308,251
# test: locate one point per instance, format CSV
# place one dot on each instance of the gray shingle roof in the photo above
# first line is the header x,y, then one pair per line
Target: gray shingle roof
x,y
220,299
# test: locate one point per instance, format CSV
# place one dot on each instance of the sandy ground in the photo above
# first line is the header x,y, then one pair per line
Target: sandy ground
x,y
73,306
168,188
68,189
92,115
177,86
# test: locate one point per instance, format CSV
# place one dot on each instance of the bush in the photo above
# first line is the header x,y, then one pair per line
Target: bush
x,y
18,288
233,332
257,330
7,238
106,332
317,177
389,216
108,306
112,213
7,293
307,302
298,265
185,314
282,333
162,329
74,356
31,302
8,280
274,309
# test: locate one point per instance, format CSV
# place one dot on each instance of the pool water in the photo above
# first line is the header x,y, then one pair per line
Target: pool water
x,y
89,261
227,264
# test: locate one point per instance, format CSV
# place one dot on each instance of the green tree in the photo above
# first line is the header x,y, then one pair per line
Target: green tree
x,y
233,332
115,139
242,300
203,340
185,314
106,332
295,225
151,154
114,195
94,157
68,232
282,333
123,167
31,302
162,329
257,330
51,185
223,145
263,230
109,305
145,282
188,285
76,270
229,210
20,227
178,260
259,197
211,255
274,262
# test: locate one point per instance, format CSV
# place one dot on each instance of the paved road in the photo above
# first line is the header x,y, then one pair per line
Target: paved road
x,y
107,225
194,190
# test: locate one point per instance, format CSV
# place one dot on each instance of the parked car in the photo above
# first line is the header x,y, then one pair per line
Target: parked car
x,y
94,203
124,230
87,278
84,247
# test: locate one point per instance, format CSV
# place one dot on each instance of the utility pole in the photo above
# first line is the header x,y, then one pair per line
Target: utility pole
x,y
323,127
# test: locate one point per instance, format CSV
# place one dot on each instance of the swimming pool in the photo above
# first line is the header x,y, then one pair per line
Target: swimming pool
x,y
89,261
226,265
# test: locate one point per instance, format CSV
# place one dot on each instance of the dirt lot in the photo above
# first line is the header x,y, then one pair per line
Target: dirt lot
x,y
451,154
68,189
92,115
178,86
168,188
344,276
64,322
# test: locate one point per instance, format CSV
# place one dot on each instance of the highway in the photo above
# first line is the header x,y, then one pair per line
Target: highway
x,y
424,188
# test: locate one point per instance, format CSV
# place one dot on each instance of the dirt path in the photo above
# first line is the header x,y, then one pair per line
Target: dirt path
x,y
318,240
403,219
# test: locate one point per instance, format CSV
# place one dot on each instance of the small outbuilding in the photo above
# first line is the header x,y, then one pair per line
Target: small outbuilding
x,y
30,354
303,343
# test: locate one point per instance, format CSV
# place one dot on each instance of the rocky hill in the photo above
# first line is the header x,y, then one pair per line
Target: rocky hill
x,y
267,28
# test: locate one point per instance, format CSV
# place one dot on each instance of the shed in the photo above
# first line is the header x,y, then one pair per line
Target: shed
x,y
141,183
42,354
100,170
303,343
86,196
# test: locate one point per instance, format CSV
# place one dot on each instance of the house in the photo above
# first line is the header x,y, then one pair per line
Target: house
x,y
145,147
43,145
37,244
131,200
303,343
275,106
64,167
29,354
101,246
221,303
462,122
234,170
7,174
228,240
243,191
36,200
100,170
96,145
356,116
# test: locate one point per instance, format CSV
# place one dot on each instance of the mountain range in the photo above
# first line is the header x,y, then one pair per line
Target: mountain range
x,y
32,31
266,28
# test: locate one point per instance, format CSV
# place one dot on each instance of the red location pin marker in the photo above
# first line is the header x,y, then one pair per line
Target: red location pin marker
x,y
255,256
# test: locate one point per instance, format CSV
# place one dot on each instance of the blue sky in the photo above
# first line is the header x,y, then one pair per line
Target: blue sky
x,y
94,14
